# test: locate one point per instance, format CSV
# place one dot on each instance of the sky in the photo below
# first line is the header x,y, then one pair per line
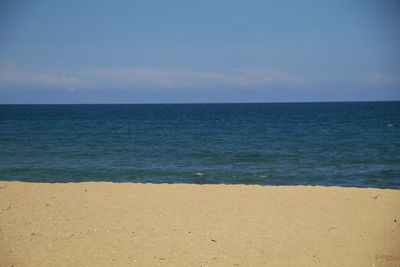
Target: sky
x,y
76,51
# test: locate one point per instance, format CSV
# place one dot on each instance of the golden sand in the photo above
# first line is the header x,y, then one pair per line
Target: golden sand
x,y
126,224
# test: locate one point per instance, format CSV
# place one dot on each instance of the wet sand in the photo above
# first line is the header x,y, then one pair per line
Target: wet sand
x,y
126,224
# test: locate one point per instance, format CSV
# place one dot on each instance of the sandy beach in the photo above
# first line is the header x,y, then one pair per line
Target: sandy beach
x,y
126,224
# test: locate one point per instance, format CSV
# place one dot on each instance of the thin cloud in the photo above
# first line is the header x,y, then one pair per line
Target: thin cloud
x,y
242,77
41,80
379,79
260,75
245,78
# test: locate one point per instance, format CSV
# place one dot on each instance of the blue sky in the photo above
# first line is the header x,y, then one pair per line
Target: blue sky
x,y
54,51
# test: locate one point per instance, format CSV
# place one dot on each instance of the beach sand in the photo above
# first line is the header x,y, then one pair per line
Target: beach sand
x,y
127,224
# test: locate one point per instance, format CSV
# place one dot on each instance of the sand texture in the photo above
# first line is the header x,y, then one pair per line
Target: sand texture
x,y
126,224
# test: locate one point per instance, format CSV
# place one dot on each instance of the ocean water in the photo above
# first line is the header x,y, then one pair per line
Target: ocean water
x,y
335,144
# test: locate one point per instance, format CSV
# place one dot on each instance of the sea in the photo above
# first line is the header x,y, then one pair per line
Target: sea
x,y
351,144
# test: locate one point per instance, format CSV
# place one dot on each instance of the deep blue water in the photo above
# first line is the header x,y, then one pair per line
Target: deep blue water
x,y
342,144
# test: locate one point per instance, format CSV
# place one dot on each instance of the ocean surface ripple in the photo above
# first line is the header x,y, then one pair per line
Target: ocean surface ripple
x,y
336,144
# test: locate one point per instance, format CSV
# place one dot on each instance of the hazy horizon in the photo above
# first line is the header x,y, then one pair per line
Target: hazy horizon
x,y
75,52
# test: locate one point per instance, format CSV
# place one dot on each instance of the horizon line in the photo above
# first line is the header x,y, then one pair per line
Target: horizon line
x,y
206,103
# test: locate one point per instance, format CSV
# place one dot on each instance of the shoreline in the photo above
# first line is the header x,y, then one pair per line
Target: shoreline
x,y
144,224
202,184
